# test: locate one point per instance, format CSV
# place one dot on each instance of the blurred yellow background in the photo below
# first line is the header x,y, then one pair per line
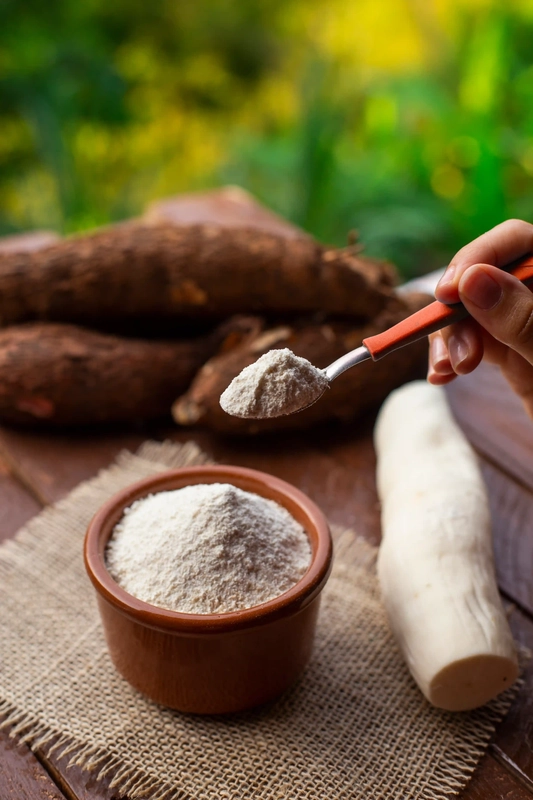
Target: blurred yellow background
x,y
408,120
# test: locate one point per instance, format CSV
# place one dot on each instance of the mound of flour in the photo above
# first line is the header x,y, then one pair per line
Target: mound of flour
x,y
207,549
278,383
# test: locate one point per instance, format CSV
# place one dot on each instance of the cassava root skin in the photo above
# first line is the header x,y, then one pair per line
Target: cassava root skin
x,y
143,269
356,391
435,564
65,375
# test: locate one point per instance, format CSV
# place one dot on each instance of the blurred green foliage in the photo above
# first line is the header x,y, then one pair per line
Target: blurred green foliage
x,y
411,122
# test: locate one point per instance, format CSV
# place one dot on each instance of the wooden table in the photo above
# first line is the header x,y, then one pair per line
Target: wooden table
x,y
335,465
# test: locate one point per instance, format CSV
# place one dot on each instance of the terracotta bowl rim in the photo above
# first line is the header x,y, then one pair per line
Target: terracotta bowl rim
x,y
286,604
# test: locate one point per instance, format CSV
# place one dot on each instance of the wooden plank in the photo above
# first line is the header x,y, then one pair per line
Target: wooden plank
x,y
513,743
25,776
17,505
352,447
78,784
51,464
512,518
492,780
494,420
21,775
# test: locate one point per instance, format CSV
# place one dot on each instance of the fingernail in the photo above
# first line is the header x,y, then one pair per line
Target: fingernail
x,y
448,278
480,288
440,360
458,350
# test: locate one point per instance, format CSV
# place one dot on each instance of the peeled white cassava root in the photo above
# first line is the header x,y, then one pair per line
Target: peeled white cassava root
x,y
435,564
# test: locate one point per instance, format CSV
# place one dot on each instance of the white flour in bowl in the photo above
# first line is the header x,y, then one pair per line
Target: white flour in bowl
x,y
278,383
207,549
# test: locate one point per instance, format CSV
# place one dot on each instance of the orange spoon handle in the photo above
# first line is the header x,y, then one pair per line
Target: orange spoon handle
x,y
434,317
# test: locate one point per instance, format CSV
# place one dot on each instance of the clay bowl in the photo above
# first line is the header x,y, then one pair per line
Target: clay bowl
x,y
211,663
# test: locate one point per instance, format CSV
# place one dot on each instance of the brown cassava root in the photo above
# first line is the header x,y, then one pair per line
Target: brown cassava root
x,y
65,375
204,271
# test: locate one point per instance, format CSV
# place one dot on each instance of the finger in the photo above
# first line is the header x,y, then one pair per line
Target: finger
x,y
457,348
439,358
464,342
440,370
440,380
501,304
499,246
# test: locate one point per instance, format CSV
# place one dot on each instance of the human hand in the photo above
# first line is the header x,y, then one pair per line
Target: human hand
x,y
500,327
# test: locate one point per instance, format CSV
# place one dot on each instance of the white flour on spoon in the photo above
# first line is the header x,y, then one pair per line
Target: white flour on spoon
x,y
278,383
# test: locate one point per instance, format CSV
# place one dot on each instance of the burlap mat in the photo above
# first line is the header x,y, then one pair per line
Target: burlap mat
x,y
355,725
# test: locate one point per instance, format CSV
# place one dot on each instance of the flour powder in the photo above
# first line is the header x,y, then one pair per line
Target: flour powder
x,y
205,549
277,383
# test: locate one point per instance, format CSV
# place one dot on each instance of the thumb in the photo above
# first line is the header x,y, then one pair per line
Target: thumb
x,y
501,304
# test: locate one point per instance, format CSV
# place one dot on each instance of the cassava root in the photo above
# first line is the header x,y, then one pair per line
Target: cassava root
x,y
142,269
66,375
435,564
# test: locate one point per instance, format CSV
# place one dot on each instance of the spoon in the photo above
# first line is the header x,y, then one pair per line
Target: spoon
x,y
428,320
316,381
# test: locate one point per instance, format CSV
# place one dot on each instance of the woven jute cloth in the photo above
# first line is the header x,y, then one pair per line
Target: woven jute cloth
x,y
354,726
